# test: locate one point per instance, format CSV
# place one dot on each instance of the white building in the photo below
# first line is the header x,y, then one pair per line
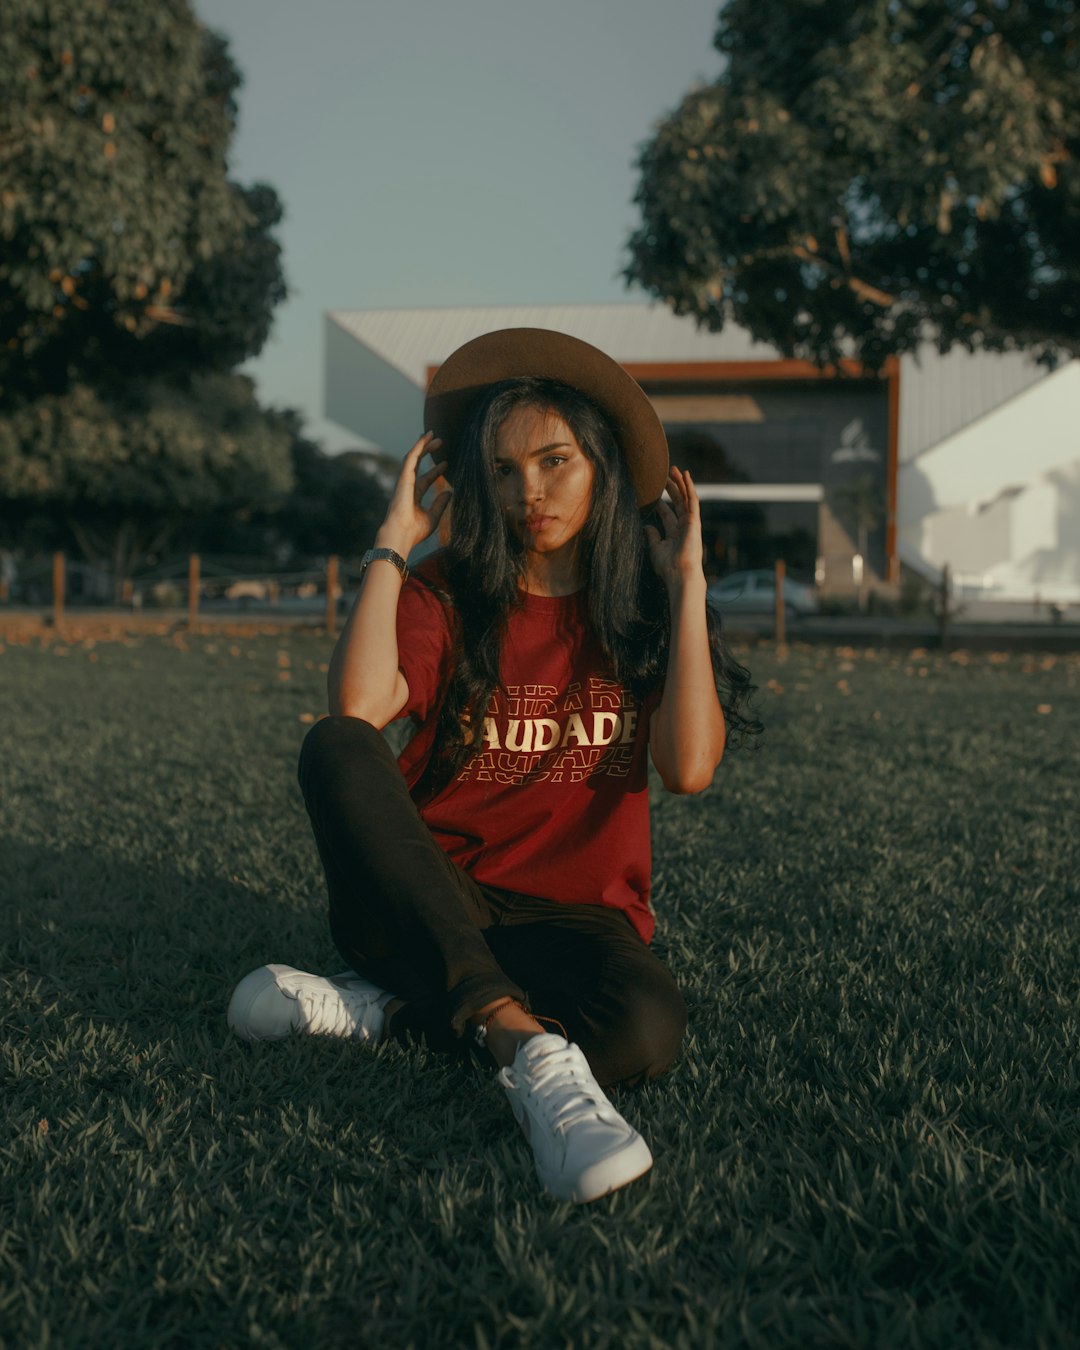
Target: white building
x,y
973,460
998,496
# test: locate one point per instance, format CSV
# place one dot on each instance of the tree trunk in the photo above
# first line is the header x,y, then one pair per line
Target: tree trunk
x,y
121,559
119,549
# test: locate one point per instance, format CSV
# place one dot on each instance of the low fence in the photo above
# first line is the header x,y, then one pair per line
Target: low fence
x,y
197,583
194,583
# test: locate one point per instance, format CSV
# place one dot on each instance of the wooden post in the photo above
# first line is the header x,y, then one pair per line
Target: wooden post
x,y
5,590
331,593
59,573
944,607
892,471
193,590
127,592
780,570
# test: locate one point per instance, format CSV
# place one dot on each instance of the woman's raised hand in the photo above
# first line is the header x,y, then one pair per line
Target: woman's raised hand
x,y
407,523
677,554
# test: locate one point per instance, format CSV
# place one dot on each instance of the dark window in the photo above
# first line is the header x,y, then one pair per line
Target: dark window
x,y
739,536
750,452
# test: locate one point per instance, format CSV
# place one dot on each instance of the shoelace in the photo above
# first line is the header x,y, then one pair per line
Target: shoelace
x,y
561,1083
337,1013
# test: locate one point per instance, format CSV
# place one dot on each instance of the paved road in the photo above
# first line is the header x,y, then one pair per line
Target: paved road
x,y
888,632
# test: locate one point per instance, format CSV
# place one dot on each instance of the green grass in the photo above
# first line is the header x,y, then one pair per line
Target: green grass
x,y
872,1137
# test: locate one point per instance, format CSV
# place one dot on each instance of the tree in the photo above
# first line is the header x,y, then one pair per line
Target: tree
x,y
134,275
124,243
124,476
335,505
338,503
868,174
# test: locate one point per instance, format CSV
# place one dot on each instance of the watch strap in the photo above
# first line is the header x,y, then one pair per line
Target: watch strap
x,y
387,555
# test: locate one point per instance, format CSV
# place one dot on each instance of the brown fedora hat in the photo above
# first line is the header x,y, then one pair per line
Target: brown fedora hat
x,y
514,352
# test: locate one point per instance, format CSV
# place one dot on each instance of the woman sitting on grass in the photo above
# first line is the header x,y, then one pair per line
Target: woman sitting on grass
x,y
493,882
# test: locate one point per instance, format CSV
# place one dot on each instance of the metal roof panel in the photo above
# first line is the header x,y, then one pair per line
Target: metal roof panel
x,y
938,394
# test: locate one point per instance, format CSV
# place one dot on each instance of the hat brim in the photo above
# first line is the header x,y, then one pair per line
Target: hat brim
x,y
515,352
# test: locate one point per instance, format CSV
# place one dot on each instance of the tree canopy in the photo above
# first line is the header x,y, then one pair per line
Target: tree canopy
x,y
336,505
869,174
338,501
134,275
123,242
124,484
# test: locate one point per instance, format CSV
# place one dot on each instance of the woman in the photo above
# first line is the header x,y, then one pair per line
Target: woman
x,y
492,883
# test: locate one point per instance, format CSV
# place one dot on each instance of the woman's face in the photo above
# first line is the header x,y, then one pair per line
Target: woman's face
x,y
544,479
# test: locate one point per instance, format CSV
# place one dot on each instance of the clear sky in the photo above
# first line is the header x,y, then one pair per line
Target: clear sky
x,y
447,152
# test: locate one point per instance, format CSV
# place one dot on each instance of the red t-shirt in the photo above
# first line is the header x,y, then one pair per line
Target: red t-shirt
x,y
555,802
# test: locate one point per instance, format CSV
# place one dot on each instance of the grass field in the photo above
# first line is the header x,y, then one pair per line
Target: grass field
x,y
872,1137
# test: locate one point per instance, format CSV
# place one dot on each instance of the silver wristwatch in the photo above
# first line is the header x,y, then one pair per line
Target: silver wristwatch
x,y
391,556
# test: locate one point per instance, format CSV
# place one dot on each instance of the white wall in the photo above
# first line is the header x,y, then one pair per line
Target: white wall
x,y
1052,567
978,541
368,396
940,393
1031,434
1002,496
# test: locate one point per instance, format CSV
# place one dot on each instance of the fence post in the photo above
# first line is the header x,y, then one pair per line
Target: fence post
x,y
127,592
59,573
781,568
945,607
193,590
331,593
5,591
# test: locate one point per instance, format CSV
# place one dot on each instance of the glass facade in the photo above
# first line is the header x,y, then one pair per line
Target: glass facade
x,y
822,440
741,535
790,451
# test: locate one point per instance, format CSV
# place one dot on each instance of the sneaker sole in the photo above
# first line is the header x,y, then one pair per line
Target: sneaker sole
x,y
606,1175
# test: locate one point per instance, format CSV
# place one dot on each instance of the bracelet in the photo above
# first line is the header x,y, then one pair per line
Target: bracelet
x,y
481,1029
385,555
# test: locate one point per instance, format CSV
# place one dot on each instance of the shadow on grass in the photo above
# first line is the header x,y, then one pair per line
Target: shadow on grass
x,y
112,965
119,979
149,944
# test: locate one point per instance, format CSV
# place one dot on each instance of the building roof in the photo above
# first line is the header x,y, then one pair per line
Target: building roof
x,y
938,394
413,339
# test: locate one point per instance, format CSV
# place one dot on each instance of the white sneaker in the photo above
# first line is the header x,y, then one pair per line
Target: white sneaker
x,y
275,1001
583,1147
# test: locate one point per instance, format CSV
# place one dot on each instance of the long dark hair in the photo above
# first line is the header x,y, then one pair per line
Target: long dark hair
x,y
484,565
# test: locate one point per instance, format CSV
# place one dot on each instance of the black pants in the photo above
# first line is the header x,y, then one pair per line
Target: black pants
x,y
405,916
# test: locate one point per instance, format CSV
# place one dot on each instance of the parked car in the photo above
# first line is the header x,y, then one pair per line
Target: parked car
x,y
247,589
754,592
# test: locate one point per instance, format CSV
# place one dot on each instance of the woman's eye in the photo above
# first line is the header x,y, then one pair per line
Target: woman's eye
x,y
555,459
